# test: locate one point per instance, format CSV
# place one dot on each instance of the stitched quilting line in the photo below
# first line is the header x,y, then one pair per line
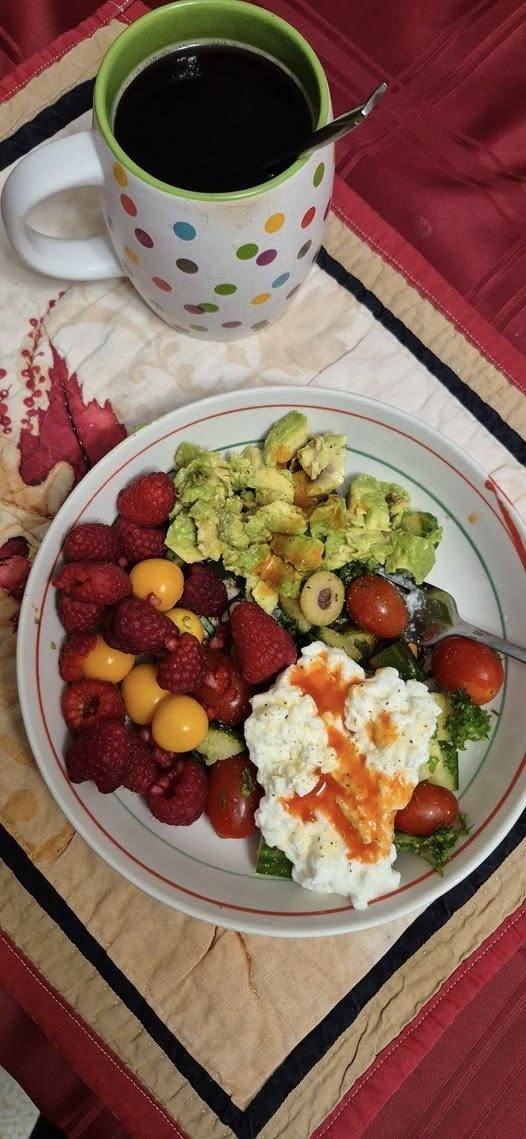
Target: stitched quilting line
x,y
119,10
471,337
419,1019
84,1028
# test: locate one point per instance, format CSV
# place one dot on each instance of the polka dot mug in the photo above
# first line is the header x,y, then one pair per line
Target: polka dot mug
x,y
215,266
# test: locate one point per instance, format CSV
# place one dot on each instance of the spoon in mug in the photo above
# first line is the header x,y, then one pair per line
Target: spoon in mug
x,y
332,131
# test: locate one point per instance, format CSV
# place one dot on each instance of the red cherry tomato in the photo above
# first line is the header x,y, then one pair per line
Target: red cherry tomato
x,y
224,694
458,662
233,795
376,606
429,807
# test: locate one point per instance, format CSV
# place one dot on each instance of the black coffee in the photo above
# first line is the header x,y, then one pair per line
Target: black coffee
x,y
210,117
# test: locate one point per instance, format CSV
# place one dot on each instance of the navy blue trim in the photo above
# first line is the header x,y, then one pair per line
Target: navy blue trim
x,y
468,398
47,123
296,1066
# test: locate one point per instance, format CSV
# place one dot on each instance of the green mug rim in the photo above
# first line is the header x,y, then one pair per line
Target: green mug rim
x,y
159,15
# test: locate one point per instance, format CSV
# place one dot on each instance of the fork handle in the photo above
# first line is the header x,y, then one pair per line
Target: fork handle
x,y
462,629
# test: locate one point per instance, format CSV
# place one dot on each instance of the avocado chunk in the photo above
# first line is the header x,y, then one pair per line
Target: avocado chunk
x,y
275,518
182,539
423,524
355,642
231,525
329,517
244,562
273,486
367,503
410,553
303,552
220,743
356,545
285,438
323,460
442,765
266,595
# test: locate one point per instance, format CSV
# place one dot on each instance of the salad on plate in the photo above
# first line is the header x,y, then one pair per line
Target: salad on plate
x,y
235,646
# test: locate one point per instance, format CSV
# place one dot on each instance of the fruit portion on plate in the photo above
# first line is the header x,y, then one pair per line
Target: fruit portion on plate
x,y
235,647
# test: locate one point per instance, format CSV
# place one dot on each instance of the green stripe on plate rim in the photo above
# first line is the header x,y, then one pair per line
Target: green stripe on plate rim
x,y
366,455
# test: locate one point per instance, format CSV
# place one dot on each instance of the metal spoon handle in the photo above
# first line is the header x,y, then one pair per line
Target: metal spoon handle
x,y
332,131
462,629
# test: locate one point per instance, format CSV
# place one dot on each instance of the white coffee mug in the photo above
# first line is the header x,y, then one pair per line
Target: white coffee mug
x,y
215,266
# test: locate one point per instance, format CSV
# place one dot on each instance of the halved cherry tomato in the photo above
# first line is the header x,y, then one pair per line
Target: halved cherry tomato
x,y
224,694
429,807
233,795
458,662
376,606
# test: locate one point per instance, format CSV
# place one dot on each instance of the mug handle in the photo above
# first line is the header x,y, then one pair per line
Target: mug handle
x,y
60,165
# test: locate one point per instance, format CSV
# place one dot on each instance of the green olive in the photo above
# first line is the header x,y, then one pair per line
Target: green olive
x,y
322,598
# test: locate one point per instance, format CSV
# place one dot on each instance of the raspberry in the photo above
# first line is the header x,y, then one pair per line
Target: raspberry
x,y
140,772
78,616
86,702
77,760
138,627
148,500
204,593
97,582
107,745
72,654
178,796
139,542
263,647
184,668
91,542
162,758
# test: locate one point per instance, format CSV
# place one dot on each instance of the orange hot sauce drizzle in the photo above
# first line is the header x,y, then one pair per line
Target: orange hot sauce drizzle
x,y
354,791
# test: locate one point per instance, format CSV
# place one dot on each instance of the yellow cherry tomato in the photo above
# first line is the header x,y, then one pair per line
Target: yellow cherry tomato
x,y
159,577
105,663
179,724
141,693
187,622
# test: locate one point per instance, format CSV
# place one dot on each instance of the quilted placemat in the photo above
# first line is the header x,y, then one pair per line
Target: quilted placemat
x,y
231,1035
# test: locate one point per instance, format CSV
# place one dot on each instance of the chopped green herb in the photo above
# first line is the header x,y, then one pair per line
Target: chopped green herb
x,y
353,569
248,783
52,645
436,848
466,721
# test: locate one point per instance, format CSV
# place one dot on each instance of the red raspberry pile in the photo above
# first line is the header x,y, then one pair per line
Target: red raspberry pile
x,y
96,605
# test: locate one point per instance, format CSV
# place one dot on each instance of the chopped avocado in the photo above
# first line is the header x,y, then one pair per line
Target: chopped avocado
x,y
368,546
206,478
303,552
243,465
185,453
422,524
355,642
292,608
328,517
273,486
265,595
442,765
244,562
397,501
275,518
279,575
399,656
285,438
231,525
367,503
182,539
320,452
220,743
409,552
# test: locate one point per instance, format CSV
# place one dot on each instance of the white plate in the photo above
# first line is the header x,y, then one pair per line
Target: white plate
x,y
478,561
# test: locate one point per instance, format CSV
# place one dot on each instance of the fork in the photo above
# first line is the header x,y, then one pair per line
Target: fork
x,y
433,615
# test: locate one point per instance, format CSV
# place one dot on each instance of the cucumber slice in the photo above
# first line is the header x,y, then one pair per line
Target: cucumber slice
x,y
273,862
355,642
399,656
220,743
442,765
292,608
